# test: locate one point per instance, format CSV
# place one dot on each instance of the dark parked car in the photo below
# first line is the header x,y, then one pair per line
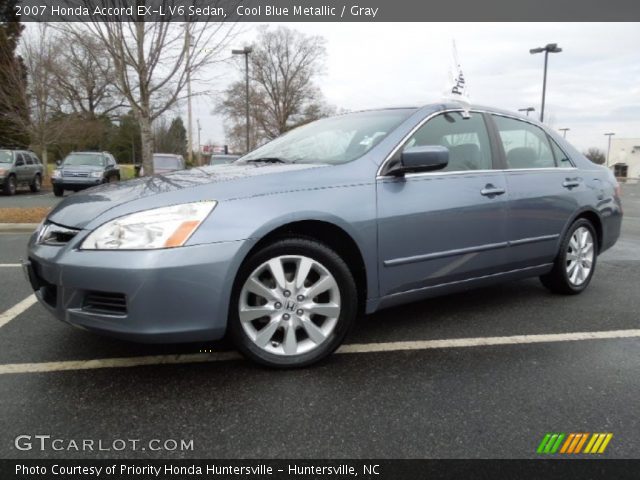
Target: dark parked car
x,y
222,159
167,162
80,170
20,168
283,248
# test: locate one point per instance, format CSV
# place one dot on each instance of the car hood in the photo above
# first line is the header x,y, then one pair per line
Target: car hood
x,y
219,182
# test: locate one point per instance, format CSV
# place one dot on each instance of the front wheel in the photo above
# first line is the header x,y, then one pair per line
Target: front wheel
x,y
36,184
293,303
576,260
10,185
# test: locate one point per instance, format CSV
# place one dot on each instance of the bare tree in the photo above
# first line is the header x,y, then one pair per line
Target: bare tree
x,y
596,155
283,66
153,61
84,80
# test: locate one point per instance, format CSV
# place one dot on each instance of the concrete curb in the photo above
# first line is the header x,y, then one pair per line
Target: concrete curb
x,y
18,227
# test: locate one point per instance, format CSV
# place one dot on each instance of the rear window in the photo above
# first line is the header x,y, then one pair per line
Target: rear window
x,y
166,162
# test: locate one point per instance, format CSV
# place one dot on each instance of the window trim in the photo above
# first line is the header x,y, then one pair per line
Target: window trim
x,y
499,157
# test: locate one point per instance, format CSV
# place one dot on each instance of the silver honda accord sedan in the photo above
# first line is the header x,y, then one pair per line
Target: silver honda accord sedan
x,y
283,248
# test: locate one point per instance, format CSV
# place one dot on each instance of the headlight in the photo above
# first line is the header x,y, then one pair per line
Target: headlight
x,y
2,171
55,174
164,227
97,174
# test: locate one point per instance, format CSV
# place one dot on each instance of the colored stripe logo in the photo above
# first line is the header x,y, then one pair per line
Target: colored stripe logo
x,y
574,443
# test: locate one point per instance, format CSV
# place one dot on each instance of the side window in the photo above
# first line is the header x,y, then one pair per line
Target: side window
x,y
19,160
27,158
562,159
466,139
525,145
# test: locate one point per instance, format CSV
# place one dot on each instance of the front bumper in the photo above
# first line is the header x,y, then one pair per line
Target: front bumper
x,y
71,183
170,295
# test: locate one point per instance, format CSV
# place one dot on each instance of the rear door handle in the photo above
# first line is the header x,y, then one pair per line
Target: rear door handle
x,y
570,183
490,191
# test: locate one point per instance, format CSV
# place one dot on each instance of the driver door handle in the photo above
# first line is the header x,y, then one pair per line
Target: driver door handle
x,y
571,183
490,190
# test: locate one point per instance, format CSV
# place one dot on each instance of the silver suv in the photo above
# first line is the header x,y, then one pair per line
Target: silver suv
x,y
20,168
80,170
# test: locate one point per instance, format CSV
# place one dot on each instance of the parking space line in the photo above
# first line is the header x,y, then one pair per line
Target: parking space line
x,y
16,310
345,349
9,265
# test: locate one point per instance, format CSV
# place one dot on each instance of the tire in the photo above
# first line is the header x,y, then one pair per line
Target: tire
x,y
10,185
576,260
58,191
296,330
36,184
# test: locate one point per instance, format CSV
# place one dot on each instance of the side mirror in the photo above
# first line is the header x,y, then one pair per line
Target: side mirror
x,y
423,159
58,163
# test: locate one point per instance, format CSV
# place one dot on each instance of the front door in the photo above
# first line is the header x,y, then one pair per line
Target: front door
x,y
445,226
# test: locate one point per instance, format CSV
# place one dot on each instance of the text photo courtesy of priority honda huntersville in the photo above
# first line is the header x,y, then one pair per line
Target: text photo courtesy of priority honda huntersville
x,y
283,248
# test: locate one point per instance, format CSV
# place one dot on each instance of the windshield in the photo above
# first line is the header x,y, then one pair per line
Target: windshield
x,y
5,156
165,161
84,159
332,140
221,159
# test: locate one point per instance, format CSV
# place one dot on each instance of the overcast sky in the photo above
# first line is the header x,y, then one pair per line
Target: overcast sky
x,y
593,85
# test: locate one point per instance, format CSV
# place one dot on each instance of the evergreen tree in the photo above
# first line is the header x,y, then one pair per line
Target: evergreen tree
x,y
11,133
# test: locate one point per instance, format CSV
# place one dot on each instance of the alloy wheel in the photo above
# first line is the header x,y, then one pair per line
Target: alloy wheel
x,y
579,257
289,305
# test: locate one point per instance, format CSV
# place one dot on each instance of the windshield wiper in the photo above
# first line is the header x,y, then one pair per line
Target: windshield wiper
x,y
267,160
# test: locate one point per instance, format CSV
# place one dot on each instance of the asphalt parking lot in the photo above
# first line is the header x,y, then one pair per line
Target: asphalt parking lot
x,y
491,396
26,199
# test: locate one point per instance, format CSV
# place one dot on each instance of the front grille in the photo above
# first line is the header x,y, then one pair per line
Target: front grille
x,y
67,173
53,234
105,302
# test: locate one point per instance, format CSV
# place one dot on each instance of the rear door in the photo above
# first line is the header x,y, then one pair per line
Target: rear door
x,y
444,226
543,185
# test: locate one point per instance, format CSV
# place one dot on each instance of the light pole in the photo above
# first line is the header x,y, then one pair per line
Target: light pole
x,y
245,51
564,132
527,110
187,40
610,134
549,48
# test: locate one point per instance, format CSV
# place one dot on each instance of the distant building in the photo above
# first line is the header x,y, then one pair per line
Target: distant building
x,y
624,158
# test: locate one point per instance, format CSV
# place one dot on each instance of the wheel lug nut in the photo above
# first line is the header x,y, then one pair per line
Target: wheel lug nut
x,y
300,298
278,305
286,293
286,316
300,312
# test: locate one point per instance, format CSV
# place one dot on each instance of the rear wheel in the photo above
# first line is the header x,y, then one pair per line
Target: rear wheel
x,y
36,184
293,303
576,260
10,185
58,191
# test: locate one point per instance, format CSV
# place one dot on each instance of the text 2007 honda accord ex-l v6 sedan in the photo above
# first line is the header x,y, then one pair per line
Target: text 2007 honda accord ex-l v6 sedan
x,y
284,247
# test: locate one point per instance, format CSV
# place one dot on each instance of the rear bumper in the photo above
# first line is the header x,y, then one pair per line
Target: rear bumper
x,y
171,295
